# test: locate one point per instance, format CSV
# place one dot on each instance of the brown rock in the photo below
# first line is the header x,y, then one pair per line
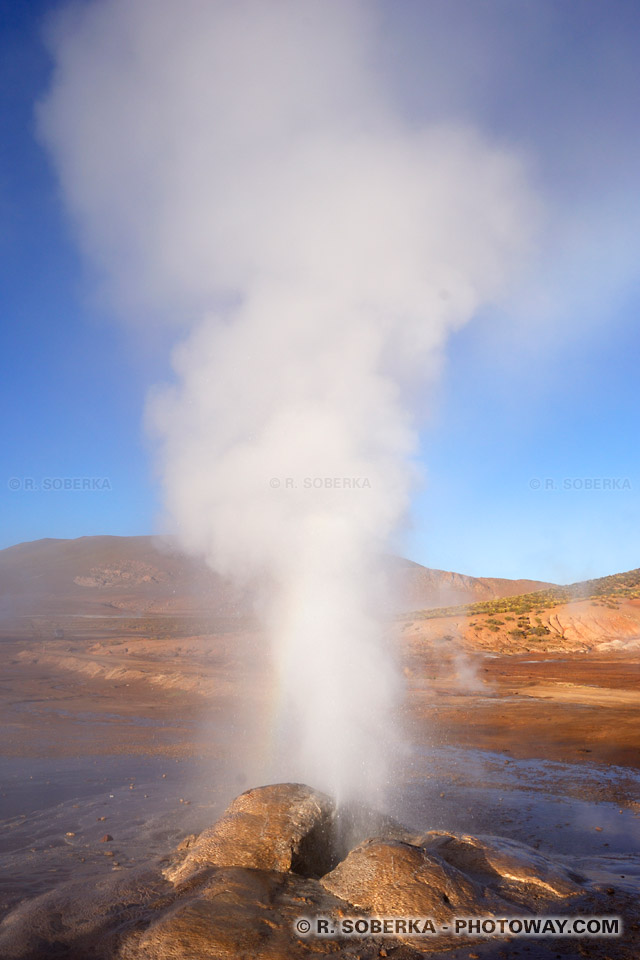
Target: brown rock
x,y
106,839
503,864
280,827
244,913
394,878
278,854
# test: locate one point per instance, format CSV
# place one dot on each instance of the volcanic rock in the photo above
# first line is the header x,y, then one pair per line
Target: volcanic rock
x,y
505,865
279,827
241,912
278,854
394,878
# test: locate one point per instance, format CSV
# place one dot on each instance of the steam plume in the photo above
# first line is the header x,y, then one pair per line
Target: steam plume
x,y
238,165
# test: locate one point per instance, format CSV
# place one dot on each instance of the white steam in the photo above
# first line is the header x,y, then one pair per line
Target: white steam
x,y
238,166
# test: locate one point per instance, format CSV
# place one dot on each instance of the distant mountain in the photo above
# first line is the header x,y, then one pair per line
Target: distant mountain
x,y
111,576
425,588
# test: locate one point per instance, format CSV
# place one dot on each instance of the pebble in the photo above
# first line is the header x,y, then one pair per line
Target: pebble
x,y
106,839
69,834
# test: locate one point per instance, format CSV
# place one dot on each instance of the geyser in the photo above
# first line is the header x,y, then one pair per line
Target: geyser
x,y
241,886
240,167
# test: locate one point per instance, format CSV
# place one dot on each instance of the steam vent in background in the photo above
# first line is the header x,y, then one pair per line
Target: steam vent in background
x,y
284,853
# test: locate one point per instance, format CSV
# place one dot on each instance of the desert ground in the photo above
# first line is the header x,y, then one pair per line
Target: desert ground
x,y
127,719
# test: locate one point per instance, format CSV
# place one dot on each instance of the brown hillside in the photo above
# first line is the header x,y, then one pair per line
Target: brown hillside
x,y
110,576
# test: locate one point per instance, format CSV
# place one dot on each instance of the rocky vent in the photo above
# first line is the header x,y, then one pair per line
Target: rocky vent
x,y
283,852
283,827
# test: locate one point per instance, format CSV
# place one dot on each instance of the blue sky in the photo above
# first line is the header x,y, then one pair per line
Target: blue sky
x,y
546,389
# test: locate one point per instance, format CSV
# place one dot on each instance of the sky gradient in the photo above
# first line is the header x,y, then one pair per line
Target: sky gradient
x,y
544,390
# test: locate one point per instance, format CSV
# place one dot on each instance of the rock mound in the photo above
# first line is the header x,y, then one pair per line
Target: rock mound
x,y
235,913
282,827
395,878
505,864
284,852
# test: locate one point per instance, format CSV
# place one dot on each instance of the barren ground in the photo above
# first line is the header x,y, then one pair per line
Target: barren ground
x,y
138,727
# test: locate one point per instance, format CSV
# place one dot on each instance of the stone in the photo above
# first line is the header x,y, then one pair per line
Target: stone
x,y
242,912
396,878
284,852
279,827
504,864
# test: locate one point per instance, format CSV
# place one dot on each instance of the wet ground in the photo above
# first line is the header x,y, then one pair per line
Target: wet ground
x,y
55,813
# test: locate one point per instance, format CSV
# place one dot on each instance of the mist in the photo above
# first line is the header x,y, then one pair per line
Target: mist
x,y
240,170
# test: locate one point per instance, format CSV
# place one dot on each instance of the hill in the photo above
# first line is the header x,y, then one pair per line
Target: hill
x,y
136,576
